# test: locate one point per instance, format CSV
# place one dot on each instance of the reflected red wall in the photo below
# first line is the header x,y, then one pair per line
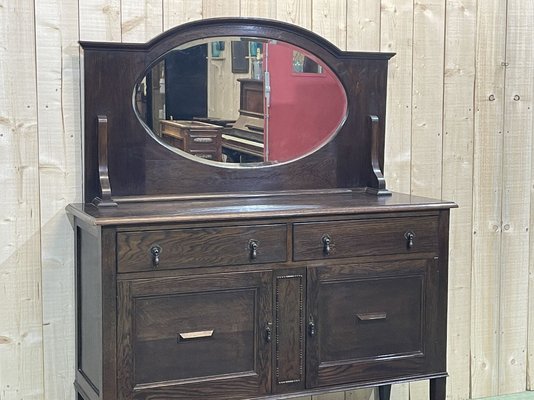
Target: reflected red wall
x,y
305,108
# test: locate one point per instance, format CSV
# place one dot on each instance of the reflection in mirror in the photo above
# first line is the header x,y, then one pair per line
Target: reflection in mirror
x,y
241,101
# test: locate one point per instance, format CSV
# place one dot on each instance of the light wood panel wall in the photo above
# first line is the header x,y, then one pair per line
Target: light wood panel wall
x,y
459,126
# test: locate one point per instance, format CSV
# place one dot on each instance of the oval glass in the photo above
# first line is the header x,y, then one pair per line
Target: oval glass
x,y
245,102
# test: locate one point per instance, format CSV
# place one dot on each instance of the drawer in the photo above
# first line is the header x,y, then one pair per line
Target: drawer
x,y
201,247
367,237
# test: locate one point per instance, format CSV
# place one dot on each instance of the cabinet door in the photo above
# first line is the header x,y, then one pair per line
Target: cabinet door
x,y
373,322
195,337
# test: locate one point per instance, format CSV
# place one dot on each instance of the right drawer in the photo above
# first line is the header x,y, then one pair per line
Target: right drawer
x,y
365,237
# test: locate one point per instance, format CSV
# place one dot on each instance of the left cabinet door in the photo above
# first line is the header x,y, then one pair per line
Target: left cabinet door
x,y
195,337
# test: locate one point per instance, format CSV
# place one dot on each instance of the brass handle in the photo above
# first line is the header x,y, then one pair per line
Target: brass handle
x,y
311,327
194,335
409,236
156,252
327,244
372,316
268,332
253,248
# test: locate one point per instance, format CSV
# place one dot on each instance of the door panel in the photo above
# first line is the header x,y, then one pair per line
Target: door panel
x,y
371,321
195,337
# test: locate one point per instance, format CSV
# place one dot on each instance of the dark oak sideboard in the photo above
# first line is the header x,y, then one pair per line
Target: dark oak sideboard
x,y
300,294
249,277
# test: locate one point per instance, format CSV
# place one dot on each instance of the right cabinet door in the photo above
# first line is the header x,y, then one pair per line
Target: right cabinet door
x,y
373,322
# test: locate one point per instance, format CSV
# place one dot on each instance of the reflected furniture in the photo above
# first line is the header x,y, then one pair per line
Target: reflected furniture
x,y
246,135
201,280
194,137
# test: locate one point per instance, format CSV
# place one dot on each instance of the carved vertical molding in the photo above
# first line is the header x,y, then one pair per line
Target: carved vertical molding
x,y
289,285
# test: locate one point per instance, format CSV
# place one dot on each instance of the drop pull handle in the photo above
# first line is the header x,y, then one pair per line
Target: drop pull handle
x,y
327,244
156,253
268,332
409,236
312,331
253,248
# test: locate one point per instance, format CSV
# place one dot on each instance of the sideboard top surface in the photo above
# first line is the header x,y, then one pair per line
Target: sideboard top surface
x,y
305,204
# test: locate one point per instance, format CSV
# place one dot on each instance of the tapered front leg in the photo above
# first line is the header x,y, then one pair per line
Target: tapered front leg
x,y
437,388
384,392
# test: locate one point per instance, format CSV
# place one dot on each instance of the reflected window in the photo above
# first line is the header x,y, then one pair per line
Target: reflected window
x,y
304,64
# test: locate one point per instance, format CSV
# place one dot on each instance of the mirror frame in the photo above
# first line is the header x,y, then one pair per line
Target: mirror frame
x,y
206,41
123,163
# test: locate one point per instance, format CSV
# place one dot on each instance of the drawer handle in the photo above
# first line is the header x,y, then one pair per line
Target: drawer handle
x,y
312,331
372,316
409,236
156,252
194,335
327,244
253,248
268,332
203,140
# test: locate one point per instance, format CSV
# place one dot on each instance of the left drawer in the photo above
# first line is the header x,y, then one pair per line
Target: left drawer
x,y
201,247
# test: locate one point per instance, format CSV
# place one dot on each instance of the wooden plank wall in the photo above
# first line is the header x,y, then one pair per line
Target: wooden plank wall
x,y
459,126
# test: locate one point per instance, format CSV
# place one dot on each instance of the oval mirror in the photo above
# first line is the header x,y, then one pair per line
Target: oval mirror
x,y
241,101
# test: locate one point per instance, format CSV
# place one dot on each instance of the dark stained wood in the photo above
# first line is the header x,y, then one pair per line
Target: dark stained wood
x,y
103,161
363,238
380,187
140,165
346,348
437,389
290,330
201,247
89,303
233,362
232,208
251,283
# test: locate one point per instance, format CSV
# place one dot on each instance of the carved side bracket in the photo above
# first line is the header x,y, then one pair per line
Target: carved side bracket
x,y
105,199
380,189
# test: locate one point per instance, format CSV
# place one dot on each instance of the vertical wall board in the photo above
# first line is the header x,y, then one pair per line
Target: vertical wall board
x,y
220,8
176,12
58,98
458,125
363,25
255,8
363,34
100,20
361,394
400,391
427,100
396,28
141,20
487,188
297,12
396,35
519,81
21,355
330,396
427,113
329,19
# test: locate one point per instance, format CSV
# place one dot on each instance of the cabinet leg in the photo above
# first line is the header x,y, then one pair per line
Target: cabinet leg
x,y
437,388
384,392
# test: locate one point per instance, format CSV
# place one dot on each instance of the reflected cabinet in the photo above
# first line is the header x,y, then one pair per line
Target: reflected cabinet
x,y
237,239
